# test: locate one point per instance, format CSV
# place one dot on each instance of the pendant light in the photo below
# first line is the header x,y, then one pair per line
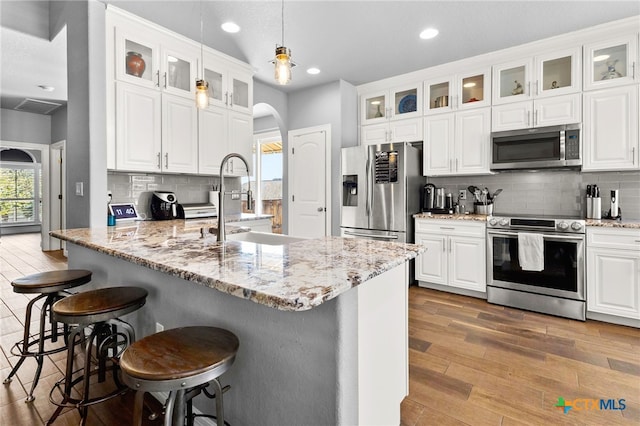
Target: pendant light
x,y
282,60
202,87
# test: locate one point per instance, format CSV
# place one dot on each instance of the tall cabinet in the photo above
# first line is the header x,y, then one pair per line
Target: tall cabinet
x,y
153,124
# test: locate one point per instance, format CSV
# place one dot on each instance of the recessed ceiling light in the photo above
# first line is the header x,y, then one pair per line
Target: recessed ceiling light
x,y
46,88
600,58
313,71
472,84
428,33
230,27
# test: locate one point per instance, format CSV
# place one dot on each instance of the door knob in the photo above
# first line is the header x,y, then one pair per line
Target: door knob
x,y
320,209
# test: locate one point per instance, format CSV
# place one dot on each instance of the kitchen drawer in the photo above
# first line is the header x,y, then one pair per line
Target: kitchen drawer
x,y
451,227
628,239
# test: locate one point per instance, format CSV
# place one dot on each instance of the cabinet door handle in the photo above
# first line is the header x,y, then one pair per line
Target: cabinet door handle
x,y
535,118
444,247
528,118
633,70
537,88
449,246
226,98
159,164
158,78
450,165
166,160
633,155
165,80
231,99
528,88
456,165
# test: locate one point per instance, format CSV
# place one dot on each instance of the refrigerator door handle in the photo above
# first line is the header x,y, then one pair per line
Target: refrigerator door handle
x,y
373,236
366,190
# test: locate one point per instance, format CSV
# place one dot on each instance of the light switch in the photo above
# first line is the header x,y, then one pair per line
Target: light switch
x,y
80,189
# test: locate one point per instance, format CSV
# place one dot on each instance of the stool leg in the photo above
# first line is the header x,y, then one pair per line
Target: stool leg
x,y
178,409
168,411
25,340
39,358
219,408
138,408
73,333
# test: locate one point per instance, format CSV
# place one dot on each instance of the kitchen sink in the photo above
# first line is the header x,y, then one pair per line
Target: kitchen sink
x,y
264,238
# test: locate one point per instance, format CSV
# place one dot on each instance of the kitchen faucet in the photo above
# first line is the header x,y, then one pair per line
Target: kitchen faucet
x,y
221,233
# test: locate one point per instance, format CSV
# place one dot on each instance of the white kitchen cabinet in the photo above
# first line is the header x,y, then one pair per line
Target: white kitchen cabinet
x,y
455,255
610,129
611,62
147,57
537,113
458,92
398,103
229,86
613,272
221,132
155,132
553,74
457,143
407,130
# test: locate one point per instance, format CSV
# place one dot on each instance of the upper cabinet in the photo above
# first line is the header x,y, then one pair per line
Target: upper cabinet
x,y
553,74
397,103
229,86
611,63
144,57
461,91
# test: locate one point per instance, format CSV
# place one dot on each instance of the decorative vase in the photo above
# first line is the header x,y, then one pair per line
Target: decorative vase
x,y
135,64
378,112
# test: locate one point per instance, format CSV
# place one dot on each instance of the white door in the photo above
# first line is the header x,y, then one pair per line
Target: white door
x,y
613,280
57,194
179,135
431,266
308,201
473,139
467,268
438,144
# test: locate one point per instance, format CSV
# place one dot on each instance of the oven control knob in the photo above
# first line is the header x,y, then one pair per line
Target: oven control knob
x,y
504,222
493,222
576,226
563,226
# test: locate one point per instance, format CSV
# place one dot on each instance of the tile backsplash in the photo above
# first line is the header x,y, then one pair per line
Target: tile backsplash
x,y
559,192
189,189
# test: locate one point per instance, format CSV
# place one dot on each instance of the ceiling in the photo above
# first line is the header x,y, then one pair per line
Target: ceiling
x,y
356,41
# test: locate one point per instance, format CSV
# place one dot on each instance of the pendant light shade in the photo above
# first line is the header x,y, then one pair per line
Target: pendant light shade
x,y
202,87
202,94
283,65
282,60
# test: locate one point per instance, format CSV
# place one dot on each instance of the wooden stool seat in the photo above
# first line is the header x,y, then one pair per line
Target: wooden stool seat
x,y
99,305
51,281
178,360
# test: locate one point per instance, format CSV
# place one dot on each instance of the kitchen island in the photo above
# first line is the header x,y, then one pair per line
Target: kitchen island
x,y
322,323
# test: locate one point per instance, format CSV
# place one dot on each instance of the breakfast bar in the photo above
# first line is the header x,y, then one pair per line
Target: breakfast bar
x,y
322,323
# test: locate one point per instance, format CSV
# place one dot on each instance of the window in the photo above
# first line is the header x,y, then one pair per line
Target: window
x,y
20,187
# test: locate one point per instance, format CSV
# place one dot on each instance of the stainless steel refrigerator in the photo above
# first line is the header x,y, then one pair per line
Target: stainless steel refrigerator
x,y
380,191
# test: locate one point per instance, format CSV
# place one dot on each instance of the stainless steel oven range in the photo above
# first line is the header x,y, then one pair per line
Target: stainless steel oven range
x,y
557,289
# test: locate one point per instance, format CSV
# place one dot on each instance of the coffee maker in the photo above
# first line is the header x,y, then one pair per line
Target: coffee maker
x,y
433,199
164,205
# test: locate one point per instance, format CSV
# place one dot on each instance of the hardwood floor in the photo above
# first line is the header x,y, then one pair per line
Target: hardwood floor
x,y
471,363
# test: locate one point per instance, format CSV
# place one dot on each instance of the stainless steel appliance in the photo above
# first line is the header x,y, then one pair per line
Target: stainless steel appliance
x,y
164,205
199,210
557,289
380,191
542,147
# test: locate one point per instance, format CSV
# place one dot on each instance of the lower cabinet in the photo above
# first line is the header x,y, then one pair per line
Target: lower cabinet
x,y
613,272
455,256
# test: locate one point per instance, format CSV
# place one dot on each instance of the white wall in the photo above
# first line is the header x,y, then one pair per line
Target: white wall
x,y
22,126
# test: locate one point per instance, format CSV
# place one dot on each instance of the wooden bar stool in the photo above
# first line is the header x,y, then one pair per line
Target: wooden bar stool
x,y
51,286
182,361
98,310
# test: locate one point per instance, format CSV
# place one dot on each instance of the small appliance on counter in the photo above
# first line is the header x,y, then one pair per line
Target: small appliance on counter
x,y
197,211
615,212
164,205
434,200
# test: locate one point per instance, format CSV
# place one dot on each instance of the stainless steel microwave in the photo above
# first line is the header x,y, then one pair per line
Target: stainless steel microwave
x,y
539,148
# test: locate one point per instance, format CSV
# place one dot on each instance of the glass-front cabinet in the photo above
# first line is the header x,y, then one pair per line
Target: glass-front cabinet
x,y
553,74
462,91
611,63
228,87
398,103
143,58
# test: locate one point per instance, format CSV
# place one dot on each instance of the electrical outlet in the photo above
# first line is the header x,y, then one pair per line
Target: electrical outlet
x,y
462,194
235,195
159,327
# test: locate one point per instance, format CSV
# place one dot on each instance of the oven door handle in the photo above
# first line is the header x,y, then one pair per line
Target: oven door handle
x,y
555,237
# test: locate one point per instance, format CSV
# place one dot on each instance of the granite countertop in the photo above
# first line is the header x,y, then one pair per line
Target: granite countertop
x,y
241,217
608,223
292,277
472,217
